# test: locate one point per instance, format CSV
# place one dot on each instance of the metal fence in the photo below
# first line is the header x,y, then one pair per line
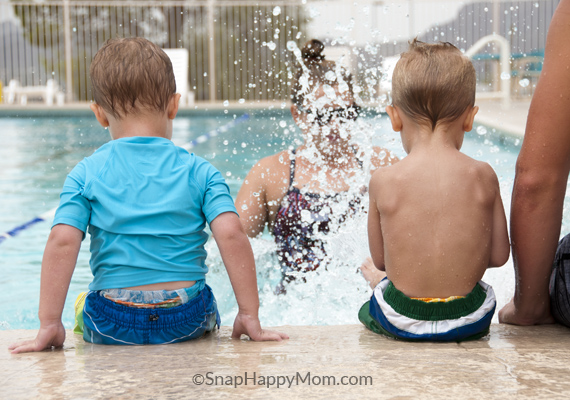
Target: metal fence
x,y
238,49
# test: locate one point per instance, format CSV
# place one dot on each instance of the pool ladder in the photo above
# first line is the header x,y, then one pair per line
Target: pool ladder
x,y
505,63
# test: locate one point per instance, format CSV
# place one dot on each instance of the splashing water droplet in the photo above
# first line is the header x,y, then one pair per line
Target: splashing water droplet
x,y
243,145
241,101
505,76
329,91
271,45
306,216
330,75
524,82
481,130
277,10
291,45
244,207
226,103
282,124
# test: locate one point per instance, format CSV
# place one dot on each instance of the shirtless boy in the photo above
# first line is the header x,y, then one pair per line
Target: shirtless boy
x,y
436,219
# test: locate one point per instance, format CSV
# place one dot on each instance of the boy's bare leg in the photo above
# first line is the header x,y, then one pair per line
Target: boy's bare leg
x,y
372,274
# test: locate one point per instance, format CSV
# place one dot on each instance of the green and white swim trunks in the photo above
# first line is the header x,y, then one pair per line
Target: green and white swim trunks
x,y
390,312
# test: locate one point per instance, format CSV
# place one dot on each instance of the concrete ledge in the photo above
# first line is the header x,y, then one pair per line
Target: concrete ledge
x,y
510,120
512,362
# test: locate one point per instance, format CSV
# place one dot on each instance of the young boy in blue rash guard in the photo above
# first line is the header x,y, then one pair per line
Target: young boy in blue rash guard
x,y
436,219
145,203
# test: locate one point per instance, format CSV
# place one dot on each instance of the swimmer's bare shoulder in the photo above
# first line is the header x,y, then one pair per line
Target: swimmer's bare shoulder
x,y
271,173
261,192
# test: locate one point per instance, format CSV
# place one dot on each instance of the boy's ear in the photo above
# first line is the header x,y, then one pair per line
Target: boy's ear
x,y
394,118
469,118
172,108
99,114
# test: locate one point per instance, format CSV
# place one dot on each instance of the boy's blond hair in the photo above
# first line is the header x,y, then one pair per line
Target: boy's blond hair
x,y
131,74
433,83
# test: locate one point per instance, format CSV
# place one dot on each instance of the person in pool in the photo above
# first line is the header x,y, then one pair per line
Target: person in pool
x,y
542,293
307,192
145,203
436,220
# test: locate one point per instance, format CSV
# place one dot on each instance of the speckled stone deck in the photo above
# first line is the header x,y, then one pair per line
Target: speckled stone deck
x,y
512,362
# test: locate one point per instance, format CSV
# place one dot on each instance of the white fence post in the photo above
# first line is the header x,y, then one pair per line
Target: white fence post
x,y
68,58
211,52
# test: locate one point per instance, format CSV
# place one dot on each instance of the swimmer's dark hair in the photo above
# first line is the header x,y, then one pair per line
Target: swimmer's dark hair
x,y
316,67
433,83
130,75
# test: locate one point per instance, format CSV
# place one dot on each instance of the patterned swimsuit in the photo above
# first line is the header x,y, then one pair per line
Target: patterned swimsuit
x,y
300,217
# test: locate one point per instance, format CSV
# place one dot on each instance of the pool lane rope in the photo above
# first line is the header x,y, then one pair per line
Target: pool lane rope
x,y
187,146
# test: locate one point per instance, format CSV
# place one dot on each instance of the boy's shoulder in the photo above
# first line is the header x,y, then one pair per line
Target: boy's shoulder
x,y
386,176
97,158
406,168
482,169
389,169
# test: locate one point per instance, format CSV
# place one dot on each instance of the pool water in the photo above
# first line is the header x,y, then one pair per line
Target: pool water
x,y
37,153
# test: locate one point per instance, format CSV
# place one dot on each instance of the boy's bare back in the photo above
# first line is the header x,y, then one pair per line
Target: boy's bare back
x,y
436,219
437,216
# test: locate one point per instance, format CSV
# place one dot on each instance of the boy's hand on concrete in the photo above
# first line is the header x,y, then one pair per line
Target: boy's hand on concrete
x,y
250,326
49,336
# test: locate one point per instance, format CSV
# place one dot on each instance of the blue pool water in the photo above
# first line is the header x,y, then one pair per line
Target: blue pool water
x,y
37,153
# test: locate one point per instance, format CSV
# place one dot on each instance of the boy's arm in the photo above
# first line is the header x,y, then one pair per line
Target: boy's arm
x,y
60,257
238,258
500,246
375,239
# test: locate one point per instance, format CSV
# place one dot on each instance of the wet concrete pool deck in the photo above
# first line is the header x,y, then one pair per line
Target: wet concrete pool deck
x,y
512,362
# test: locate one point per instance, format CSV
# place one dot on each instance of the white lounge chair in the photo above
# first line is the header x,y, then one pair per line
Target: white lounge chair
x,y
179,59
49,93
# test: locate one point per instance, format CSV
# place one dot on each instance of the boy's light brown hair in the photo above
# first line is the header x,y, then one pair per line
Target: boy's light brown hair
x,y
131,74
433,83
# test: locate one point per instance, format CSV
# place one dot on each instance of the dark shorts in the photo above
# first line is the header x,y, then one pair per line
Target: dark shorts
x,y
560,283
107,322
